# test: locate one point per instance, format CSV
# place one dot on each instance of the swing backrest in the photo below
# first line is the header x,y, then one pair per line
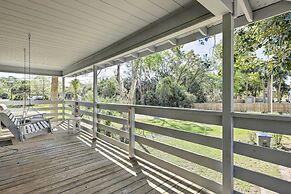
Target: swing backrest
x,y
11,122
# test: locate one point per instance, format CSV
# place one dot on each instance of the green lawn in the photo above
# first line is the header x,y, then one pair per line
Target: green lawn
x,y
209,130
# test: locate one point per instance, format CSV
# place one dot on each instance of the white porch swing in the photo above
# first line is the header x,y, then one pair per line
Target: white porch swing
x,y
26,125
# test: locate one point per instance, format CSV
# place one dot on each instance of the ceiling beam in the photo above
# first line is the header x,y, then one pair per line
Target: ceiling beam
x,y
152,49
186,17
260,14
203,31
121,60
246,8
111,63
173,41
134,55
104,65
218,7
33,71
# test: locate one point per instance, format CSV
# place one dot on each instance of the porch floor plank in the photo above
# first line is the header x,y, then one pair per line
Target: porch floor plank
x,y
63,163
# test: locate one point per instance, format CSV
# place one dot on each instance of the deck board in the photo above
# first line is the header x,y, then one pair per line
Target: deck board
x,y
63,163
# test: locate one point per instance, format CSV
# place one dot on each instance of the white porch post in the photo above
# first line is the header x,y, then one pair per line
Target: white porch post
x,y
63,98
94,102
227,119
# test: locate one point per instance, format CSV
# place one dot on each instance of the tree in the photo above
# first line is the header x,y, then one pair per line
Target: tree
x,y
76,85
253,70
108,88
40,86
171,93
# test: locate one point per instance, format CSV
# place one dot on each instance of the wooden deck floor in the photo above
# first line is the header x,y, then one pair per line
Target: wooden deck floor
x,y
63,163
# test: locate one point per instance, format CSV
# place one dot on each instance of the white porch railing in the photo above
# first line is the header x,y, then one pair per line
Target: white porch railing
x,y
268,123
256,122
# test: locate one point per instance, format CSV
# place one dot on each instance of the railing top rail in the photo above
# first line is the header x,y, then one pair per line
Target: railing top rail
x,y
218,113
33,102
262,116
124,107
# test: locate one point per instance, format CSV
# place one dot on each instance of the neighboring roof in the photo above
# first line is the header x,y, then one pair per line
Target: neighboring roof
x,y
69,36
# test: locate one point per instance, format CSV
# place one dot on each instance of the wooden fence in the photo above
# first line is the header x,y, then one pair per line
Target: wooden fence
x,y
247,107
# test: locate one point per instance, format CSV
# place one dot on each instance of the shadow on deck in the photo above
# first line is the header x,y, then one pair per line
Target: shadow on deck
x,y
63,163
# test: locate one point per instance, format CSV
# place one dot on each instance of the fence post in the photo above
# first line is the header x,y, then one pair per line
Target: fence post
x,y
227,118
131,128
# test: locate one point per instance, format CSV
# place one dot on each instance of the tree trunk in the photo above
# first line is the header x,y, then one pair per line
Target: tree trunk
x,y
118,74
130,98
120,86
247,88
132,91
279,96
270,96
54,96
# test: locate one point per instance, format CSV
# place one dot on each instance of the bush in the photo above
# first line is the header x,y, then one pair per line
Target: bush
x,y
4,95
170,93
18,97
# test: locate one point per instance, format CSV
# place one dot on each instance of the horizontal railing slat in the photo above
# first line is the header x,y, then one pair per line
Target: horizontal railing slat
x,y
114,107
45,102
262,180
87,113
107,128
113,141
208,117
67,114
267,123
87,121
213,142
193,177
86,104
69,102
112,119
262,153
47,108
190,156
32,102
113,130
53,114
69,108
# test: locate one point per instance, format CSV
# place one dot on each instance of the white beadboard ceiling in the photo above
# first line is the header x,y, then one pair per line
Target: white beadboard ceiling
x,y
65,32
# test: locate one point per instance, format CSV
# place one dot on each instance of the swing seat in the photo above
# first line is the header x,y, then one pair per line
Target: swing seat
x,y
25,128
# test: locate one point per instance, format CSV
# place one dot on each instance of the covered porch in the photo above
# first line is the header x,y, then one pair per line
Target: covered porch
x,y
92,161
62,163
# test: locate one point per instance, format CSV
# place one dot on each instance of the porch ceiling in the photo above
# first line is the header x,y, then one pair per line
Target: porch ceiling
x,y
65,31
72,35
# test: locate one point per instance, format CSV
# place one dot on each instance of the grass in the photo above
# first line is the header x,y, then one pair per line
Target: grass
x,y
209,130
